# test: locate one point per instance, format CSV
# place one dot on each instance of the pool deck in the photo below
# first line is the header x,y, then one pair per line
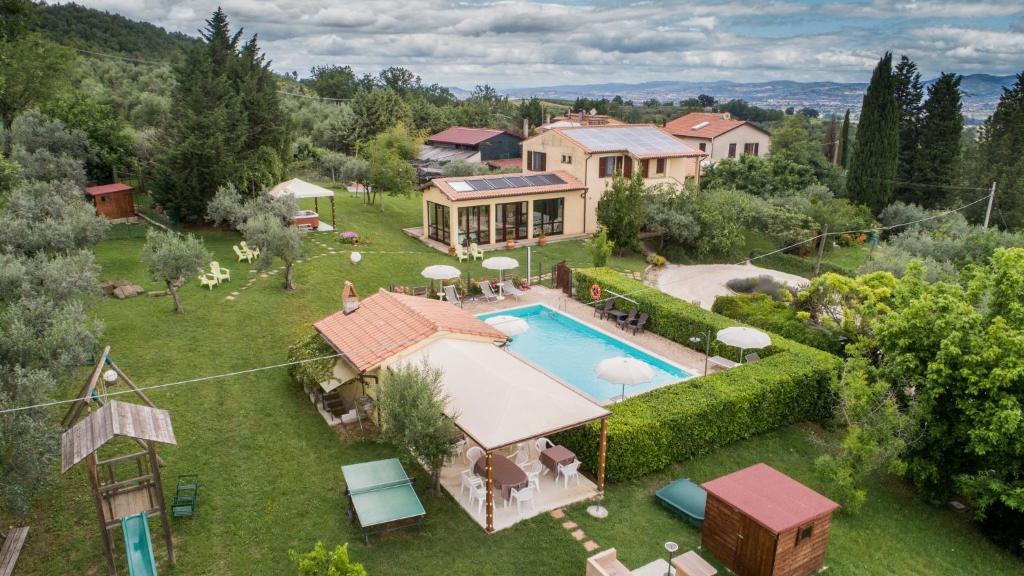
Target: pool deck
x,y
690,360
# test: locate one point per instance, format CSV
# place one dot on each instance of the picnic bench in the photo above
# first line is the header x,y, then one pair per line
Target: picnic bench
x,y
14,539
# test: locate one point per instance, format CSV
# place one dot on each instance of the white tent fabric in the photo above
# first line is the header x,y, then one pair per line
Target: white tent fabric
x,y
300,189
498,399
509,325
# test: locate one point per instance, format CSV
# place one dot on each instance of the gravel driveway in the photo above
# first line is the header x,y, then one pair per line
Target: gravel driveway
x,y
703,283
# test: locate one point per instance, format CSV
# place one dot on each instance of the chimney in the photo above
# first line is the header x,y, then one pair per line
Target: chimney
x,y
349,298
526,127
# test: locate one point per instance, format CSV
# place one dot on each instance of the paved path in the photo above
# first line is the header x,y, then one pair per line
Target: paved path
x,y
705,282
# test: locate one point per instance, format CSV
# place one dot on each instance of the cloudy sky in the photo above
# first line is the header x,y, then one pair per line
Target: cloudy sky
x,y
519,43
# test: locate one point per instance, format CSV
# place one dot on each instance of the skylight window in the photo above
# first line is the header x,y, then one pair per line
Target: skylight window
x,y
461,186
701,125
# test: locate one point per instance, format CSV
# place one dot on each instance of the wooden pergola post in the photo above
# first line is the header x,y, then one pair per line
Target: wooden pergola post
x,y
154,470
94,481
602,454
490,493
333,225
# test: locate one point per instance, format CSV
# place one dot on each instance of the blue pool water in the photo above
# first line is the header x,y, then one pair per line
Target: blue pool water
x,y
571,350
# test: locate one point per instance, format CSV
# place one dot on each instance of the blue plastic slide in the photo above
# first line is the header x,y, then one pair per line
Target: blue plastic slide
x,y
138,546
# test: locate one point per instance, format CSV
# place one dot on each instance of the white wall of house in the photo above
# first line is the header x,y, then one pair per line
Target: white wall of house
x,y
741,136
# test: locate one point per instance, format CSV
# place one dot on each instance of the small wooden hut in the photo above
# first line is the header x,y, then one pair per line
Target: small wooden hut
x,y
113,201
117,498
760,522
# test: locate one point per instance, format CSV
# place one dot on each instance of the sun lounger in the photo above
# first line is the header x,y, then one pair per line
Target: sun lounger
x,y
488,291
508,287
722,362
452,295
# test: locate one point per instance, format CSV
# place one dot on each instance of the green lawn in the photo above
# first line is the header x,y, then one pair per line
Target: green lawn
x,y
270,466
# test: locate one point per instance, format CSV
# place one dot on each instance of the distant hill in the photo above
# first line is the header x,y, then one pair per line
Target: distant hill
x,y
981,93
89,29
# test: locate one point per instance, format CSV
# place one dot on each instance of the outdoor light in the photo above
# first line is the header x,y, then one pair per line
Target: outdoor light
x,y
355,257
671,548
110,376
706,337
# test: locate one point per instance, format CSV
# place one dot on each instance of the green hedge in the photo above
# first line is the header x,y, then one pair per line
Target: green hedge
x,y
761,311
792,383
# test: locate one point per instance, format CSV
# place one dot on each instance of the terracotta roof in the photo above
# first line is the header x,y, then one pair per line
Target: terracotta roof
x,y
569,183
639,140
505,163
107,189
387,323
770,498
464,136
716,125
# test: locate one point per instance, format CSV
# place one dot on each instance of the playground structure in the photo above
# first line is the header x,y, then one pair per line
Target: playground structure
x,y
120,502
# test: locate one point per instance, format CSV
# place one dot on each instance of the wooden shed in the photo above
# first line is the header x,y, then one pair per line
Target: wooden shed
x,y
113,201
760,522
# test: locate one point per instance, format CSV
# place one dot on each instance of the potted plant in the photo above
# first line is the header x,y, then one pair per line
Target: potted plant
x,y
510,241
542,239
451,250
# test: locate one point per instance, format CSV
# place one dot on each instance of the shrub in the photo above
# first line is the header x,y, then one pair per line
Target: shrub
x,y
310,374
600,247
761,311
791,383
657,260
763,284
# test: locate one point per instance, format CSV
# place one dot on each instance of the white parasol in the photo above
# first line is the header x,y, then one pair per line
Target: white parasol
x,y
441,272
500,263
743,338
508,325
625,371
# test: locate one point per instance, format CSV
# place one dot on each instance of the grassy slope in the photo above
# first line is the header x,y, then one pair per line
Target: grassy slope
x,y
270,467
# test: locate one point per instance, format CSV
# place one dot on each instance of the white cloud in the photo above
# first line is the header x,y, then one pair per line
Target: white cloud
x,y
531,43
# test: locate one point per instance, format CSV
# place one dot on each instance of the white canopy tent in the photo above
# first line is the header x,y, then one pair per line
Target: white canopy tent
x,y
499,400
302,189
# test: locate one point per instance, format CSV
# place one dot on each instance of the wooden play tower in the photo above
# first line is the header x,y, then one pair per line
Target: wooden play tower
x,y
141,490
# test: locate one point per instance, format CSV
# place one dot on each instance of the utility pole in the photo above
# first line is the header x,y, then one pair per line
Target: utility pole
x,y
821,248
991,199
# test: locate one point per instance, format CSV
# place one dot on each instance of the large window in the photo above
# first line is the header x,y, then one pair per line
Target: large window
x,y
548,216
609,165
750,148
438,226
475,225
536,161
658,168
510,221
732,150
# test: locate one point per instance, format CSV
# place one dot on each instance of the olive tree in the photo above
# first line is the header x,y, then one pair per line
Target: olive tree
x,y
171,257
275,240
49,217
412,403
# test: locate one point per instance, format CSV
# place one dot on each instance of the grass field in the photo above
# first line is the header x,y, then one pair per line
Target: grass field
x,y
270,466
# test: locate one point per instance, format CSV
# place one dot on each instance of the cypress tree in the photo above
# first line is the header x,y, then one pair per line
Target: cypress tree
x,y
874,163
844,141
938,155
909,93
1001,154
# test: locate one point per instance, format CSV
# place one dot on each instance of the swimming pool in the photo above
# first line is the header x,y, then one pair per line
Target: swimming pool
x,y
571,350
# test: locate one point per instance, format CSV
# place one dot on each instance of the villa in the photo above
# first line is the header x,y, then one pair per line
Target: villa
x,y
471,144
720,136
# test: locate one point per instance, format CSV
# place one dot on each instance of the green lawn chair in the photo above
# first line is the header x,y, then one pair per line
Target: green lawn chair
x,y
186,495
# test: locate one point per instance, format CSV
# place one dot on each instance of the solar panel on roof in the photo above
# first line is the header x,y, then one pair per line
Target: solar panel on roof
x,y
535,180
552,179
517,181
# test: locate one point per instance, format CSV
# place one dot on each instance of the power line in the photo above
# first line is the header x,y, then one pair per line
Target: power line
x,y
920,185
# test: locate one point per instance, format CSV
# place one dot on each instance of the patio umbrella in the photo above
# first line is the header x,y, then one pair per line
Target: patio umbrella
x,y
743,338
625,371
500,263
508,325
440,272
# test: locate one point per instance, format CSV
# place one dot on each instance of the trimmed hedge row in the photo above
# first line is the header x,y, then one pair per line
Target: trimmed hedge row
x,y
761,311
792,383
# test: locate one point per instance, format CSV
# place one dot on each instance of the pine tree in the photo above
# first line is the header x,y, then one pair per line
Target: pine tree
x,y
874,163
844,141
909,93
1001,154
938,155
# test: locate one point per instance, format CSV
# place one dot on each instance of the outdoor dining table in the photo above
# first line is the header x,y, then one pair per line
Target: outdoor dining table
x,y
506,474
617,314
556,456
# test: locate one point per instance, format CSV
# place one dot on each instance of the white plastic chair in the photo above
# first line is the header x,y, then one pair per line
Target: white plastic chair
x,y
567,471
520,496
460,448
533,471
522,454
543,444
478,493
473,454
469,480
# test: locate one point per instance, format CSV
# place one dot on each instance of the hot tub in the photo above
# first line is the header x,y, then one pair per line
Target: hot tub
x,y
307,218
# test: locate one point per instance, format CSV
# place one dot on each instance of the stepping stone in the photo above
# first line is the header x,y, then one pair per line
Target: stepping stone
x,y
569,525
229,298
252,271
579,535
234,293
264,275
590,546
558,513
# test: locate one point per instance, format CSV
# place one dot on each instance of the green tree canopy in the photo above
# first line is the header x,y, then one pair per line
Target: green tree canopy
x,y
909,93
275,240
873,168
937,161
620,211
172,258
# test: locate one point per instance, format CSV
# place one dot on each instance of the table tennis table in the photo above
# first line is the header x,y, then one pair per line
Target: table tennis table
x,y
381,497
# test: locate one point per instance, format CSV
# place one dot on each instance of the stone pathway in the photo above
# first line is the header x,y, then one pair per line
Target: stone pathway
x,y
574,530
255,275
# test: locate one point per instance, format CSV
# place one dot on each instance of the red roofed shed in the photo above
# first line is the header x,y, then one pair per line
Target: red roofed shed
x,y
760,522
113,201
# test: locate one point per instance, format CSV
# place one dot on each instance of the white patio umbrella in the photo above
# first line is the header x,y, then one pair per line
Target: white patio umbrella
x,y
625,371
743,338
500,263
508,325
440,272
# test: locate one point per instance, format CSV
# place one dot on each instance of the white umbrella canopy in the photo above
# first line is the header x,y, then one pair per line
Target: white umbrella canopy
x,y
441,272
500,263
625,371
508,325
743,338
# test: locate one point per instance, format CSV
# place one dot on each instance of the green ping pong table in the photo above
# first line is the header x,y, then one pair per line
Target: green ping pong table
x,y
381,497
